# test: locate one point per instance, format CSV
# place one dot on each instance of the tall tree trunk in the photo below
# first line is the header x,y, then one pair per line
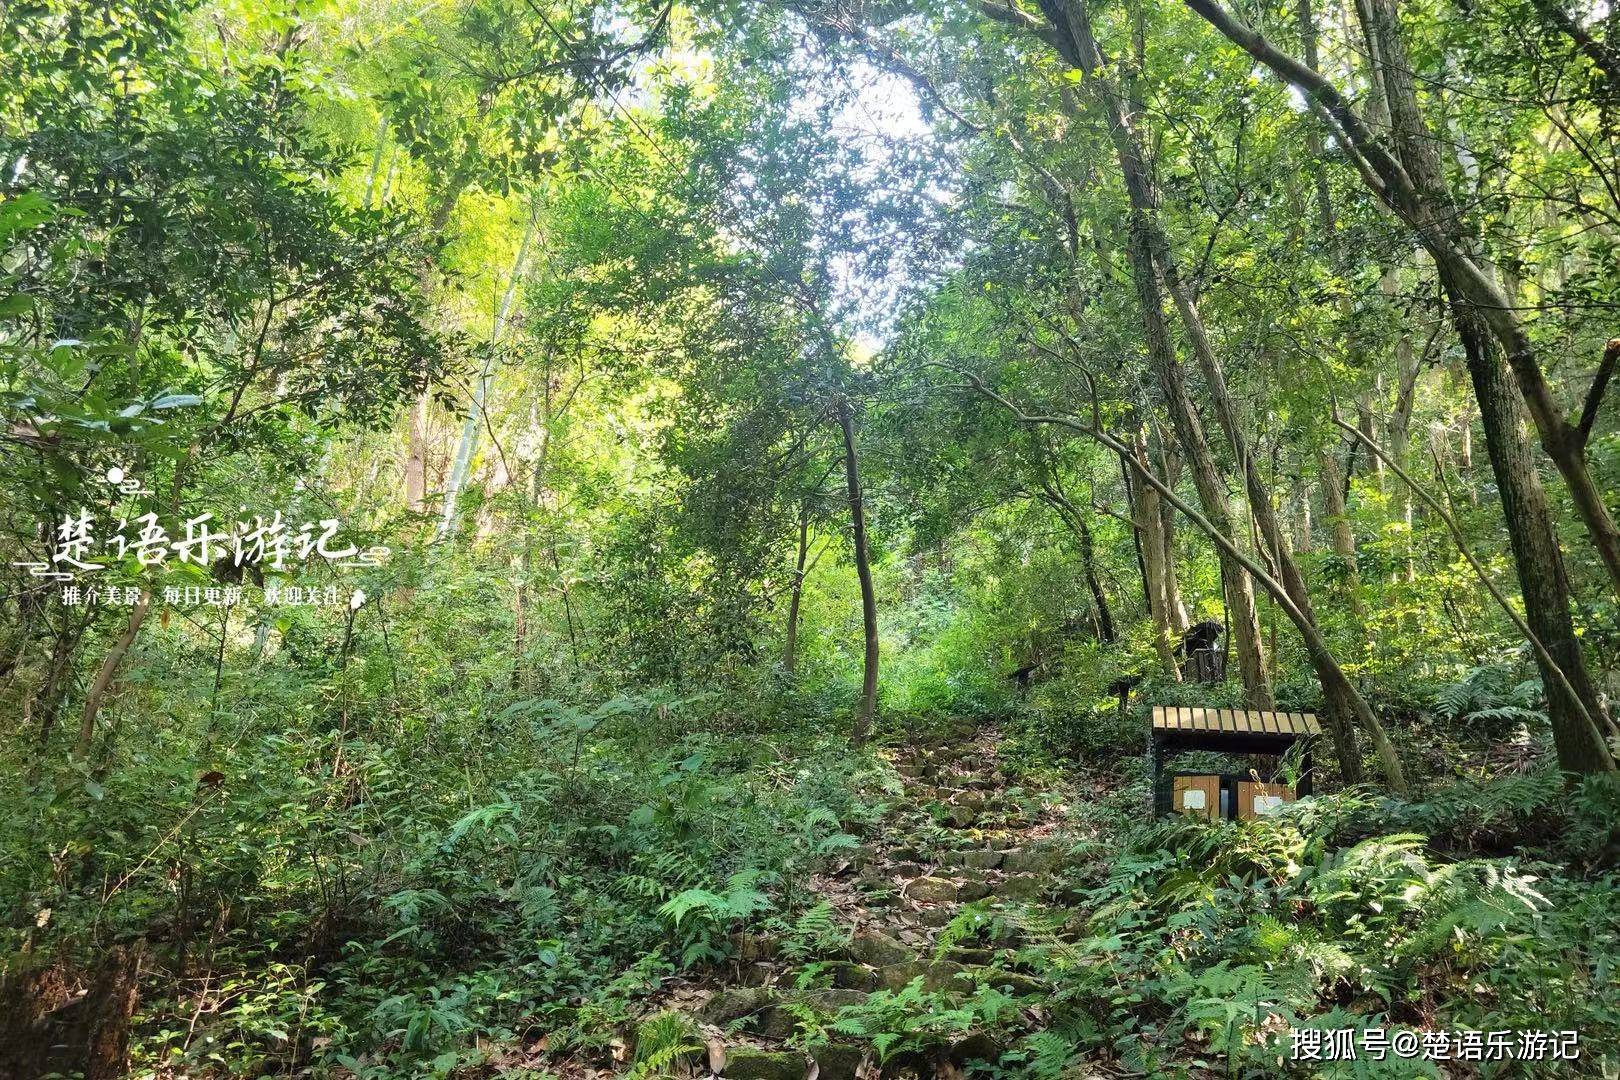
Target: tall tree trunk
x,y
1306,19
790,650
1149,525
1076,521
1078,48
1542,581
1412,183
863,571
45,702
1212,494
473,424
1170,469
420,414
104,677
1344,537
1088,565
1343,701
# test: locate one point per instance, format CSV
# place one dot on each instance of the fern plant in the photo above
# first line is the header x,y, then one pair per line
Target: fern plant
x,y
702,918
662,1041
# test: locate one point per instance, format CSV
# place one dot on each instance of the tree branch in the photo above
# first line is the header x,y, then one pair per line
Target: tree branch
x,y
1594,393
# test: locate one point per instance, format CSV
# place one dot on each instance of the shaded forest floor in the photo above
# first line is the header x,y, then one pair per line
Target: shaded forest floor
x,y
923,959
677,902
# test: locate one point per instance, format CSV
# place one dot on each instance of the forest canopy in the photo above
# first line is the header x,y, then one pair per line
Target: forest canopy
x,y
562,539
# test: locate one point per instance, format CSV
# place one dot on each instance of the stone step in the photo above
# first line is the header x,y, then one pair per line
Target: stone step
x,y
875,948
1043,860
752,1063
972,858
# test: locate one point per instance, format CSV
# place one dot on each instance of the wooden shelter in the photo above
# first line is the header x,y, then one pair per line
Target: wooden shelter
x,y
1178,728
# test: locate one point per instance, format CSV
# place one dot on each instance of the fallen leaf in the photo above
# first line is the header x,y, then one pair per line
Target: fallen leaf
x,y
717,1056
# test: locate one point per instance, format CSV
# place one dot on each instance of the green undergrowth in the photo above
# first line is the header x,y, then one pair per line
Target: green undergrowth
x,y
1204,944
1194,946
355,904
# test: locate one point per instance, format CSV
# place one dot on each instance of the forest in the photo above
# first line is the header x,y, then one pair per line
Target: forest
x,y
809,539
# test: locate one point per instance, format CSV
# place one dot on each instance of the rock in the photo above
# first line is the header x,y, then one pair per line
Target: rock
x,y
937,916
972,890
757,974
936,975
747,1063
1010,981
980,1047
731,1005
848,976
877,949
1035,860
908,855
774,1022
931,889
1022,887
976,957
907,869
960,817
833,1000
839,1061
751,947
973,859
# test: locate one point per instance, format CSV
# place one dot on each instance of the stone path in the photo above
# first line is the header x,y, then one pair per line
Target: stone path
x,y
963,833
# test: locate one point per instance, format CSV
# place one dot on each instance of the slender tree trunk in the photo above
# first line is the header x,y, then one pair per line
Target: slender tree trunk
x,y
1076,521
1313,136
1149,524
790,651
473,424
1088,563
1170,469
1307,528
863,571
43,705
420,413
1344,537
1244,618
104,677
